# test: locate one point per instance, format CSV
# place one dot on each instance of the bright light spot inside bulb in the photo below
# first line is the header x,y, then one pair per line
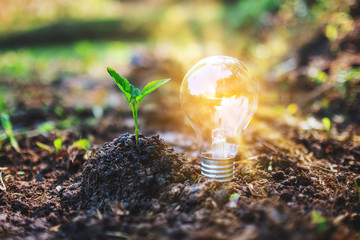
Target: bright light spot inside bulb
x,y
227,118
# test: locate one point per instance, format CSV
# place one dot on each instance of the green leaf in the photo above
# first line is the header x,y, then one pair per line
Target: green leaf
x,y
233,200
150,87
135,93
44,146
46,127
82,144
327,123
234,196
331,32
58,144
319,220
357,187
6,123
122,83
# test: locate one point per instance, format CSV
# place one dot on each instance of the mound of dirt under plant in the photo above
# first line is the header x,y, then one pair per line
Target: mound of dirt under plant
x,y
118,172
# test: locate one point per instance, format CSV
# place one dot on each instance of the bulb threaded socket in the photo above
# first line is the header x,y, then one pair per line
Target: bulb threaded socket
x,y
221,170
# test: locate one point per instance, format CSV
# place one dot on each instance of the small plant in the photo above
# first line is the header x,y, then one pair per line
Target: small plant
x,y
356,185
319,220
233,200
57,146
82,144
326,123
46,127
133,95
6,123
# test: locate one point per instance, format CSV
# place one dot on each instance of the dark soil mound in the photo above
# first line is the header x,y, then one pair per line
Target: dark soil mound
x,y
118,172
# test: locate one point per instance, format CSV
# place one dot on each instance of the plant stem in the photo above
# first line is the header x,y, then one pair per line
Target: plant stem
x,y
134,110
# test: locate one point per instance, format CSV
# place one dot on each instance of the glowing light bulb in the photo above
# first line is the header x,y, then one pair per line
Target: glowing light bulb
x,y
219,97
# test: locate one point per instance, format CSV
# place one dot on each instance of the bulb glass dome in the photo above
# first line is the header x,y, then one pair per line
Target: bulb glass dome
x,y
219,97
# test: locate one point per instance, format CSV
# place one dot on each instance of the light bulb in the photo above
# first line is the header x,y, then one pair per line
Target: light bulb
x,y
219,97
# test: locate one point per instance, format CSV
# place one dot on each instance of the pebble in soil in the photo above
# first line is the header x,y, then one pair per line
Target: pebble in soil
x,y
118,172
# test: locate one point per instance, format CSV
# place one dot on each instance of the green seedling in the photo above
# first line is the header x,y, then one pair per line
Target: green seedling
x,y
233,200
57,146
45,147
326,123
357,187
46,127
6,123
319,220
82,144
133,95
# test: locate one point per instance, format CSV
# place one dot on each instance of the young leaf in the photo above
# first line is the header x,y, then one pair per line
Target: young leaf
x,y
82,144
150,87
58,144
46,127
135,93
6,123
327,124
234,196
44,146
357,187
319,220
122,83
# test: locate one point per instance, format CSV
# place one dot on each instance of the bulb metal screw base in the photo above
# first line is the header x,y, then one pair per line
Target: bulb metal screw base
x,y
222,170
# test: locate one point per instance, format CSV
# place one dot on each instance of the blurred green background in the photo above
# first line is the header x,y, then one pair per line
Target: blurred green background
x,y
53,54
42,39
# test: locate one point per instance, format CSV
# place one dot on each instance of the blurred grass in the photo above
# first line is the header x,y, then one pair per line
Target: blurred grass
x,y
44,64
261,33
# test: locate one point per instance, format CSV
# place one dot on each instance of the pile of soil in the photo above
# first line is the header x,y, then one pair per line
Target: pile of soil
x,y
120,172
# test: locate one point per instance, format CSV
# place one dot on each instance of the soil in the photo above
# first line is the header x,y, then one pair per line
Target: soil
x,y
156,193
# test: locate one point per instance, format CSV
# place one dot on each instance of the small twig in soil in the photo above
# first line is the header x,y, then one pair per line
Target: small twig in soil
x,y
99,215
250,158
2,186
267,145
117,234
315,93
42,197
